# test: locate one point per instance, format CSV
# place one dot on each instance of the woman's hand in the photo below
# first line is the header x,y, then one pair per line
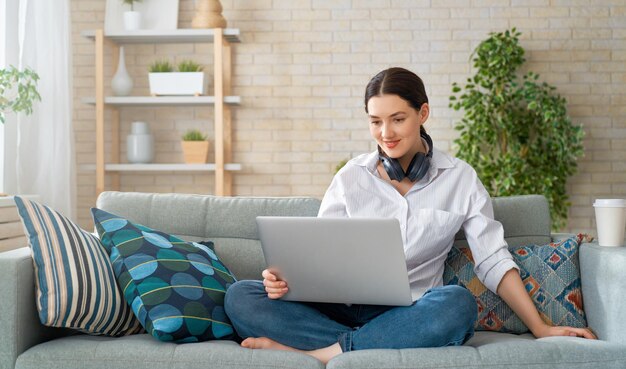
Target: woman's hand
x,y
274,287
546,331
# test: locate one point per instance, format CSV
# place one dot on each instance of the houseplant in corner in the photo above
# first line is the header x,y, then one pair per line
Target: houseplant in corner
x,y
132,18
195,147
515,131
189,80
18,91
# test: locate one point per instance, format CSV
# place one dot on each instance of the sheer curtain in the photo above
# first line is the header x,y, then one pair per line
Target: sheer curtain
x,y
45,152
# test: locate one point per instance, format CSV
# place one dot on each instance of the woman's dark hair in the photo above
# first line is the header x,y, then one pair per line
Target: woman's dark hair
x,y
397,81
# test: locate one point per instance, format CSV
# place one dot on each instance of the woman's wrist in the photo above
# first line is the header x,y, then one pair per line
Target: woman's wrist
x,y
538,329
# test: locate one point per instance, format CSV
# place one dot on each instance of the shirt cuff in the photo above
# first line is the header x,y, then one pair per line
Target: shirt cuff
x,y
497,272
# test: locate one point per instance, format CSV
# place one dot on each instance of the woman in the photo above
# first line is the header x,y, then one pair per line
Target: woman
x,y
432,195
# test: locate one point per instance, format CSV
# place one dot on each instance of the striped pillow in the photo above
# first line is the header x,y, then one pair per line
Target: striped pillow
x,y
76,287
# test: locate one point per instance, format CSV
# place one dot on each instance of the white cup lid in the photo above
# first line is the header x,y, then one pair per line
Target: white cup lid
x,y
610,203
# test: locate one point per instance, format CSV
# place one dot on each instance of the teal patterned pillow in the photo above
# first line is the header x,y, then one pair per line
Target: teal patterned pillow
x,y
551,275
175,288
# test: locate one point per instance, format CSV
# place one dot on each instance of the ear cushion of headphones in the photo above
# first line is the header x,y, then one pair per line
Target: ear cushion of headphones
x,y
393,168
416,167
420,168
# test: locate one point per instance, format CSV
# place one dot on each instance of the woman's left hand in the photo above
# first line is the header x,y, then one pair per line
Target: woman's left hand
x,y
547,331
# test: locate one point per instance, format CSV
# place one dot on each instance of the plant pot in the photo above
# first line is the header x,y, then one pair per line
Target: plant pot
x,y
132,20
177,83
195,152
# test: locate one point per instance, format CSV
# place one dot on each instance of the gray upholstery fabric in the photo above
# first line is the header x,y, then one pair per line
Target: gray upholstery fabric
x,y
525,219
144,352
230,223
604,290
494,350
203,215
19,321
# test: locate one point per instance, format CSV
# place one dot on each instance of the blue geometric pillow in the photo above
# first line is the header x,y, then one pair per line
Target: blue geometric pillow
x,y
550,273
175,288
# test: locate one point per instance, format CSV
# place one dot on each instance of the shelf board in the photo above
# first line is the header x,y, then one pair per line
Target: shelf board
x,y
161,167
150,36
162,100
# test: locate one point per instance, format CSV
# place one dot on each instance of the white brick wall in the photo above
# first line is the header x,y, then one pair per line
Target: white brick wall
x,y
302,67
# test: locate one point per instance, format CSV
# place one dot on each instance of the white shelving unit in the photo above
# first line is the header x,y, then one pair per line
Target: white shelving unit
x,y
220,101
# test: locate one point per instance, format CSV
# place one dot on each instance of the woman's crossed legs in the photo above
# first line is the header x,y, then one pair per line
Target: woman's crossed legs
x,y
443,316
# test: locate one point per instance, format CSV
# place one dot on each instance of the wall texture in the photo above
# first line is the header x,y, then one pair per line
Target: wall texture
x,y
302,67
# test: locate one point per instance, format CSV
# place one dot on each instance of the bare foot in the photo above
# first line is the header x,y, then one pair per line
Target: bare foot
x,y
265,343
324,354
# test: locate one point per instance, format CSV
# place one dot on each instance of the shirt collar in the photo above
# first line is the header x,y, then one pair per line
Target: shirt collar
x,y
440,160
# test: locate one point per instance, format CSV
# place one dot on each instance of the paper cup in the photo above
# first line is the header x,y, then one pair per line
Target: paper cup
x,y
611,221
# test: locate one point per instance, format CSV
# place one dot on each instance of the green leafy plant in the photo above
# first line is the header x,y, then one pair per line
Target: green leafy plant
x,y
189,66
131,3
515,131
161,66
18,91
194,135
341,165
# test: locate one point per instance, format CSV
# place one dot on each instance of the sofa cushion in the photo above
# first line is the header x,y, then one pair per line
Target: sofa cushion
x,y
140,351
75,284
175,288
484,350
551,275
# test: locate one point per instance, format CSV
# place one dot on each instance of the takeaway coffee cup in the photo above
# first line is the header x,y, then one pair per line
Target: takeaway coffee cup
x,y
611,221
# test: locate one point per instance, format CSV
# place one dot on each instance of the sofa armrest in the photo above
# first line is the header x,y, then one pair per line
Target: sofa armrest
x,y
20,328
604,290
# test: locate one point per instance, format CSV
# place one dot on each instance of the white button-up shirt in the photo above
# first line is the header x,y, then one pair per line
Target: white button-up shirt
x,y
448,198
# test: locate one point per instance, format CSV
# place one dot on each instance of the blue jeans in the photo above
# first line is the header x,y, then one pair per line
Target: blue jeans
x,y
443,316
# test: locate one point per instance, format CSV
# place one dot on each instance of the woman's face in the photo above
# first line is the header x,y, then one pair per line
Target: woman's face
x,y
395,126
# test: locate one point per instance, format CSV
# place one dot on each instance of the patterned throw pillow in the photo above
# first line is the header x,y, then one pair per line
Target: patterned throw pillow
x,y
75,284
551,275
175,288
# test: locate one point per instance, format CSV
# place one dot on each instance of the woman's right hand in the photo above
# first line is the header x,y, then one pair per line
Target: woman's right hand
x,y
274,287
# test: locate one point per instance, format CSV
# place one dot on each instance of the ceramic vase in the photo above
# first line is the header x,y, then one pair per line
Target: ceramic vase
x,y
121,84
140,144
208,15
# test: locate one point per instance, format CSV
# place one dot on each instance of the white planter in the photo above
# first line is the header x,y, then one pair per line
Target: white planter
x,y
177,83
132,20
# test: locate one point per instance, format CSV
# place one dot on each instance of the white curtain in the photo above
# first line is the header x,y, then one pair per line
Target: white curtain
x,y
45,152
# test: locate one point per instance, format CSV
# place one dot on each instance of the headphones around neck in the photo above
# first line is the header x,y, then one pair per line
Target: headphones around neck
x,y
418,167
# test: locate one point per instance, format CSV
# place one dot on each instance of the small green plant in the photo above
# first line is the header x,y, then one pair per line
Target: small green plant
x,y
131,3
189,66
194,135
161,66
341,165
18,91
516,132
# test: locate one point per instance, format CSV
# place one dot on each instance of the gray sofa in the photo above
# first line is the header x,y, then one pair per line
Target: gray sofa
x,y
230,222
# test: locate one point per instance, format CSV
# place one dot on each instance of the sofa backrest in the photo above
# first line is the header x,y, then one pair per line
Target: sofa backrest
x,y
231,221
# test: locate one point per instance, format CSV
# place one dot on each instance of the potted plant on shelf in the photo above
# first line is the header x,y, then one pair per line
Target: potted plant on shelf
x,y
189,80
18,91
132,18
195,147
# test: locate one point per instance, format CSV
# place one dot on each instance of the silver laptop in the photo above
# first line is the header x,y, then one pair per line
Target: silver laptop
x,y
339,260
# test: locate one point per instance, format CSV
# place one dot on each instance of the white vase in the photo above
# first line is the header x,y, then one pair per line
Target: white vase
x,y
132,20
140,144
121,84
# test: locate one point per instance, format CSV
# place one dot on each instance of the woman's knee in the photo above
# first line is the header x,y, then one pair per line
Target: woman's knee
x,y
240,296
462,304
